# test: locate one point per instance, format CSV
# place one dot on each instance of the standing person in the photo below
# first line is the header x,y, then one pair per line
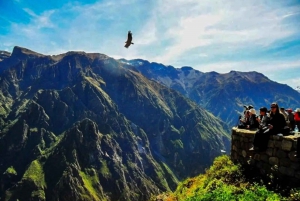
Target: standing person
x,y
263,120
297,117
275,126
297,123
282,111
291,118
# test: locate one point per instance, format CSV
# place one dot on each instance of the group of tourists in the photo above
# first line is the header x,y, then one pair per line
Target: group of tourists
x,y
269,122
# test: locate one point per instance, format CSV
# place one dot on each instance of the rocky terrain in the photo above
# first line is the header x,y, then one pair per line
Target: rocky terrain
x,y
82,126
222,94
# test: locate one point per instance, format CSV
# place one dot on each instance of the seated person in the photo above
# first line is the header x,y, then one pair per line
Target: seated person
x,y
275,125
263,119
244,121
253,122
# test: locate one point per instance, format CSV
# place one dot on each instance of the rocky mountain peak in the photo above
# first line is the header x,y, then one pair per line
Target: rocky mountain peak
x,y
223,94
21,52
186,68
85,132
251,75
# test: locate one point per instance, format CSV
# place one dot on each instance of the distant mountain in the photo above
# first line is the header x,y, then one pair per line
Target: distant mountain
x,y
222,94
80,126
4,55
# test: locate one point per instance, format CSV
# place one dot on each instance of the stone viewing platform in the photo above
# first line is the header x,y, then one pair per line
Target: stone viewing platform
x,y
279,159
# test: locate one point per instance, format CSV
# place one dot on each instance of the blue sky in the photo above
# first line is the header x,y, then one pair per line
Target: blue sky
x,y
209,35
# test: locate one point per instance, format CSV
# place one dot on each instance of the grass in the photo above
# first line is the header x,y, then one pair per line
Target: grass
x,y
223,181
104,170
11,170
177,144
89,181
35,173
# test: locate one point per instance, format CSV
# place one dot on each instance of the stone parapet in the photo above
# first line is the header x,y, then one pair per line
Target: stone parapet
x,y
278,159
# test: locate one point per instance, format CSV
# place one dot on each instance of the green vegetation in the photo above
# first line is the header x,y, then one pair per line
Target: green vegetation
x,y
33,130
2,111
11,170
174,130
90,180
222,181
169,171
177,144
105,170
35,173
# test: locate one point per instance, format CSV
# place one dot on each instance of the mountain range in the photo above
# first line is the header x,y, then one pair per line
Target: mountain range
x,y
297,89
222,94
84,126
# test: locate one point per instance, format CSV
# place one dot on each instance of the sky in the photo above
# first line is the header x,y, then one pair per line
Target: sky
x,y
208,35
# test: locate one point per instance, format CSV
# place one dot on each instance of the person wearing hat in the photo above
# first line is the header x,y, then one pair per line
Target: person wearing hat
x,y
253,123
244,120
263,120
263,117
275,126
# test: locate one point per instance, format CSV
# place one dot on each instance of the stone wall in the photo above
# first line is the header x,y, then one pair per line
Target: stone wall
x,y
279,159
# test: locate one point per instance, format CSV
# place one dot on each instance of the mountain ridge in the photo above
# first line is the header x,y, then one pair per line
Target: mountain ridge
x,y
83,127
223,94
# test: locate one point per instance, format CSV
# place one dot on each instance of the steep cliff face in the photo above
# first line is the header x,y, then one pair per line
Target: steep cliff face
x,y
222,94
80,126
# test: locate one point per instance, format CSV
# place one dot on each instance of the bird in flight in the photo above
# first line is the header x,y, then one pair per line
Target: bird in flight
x,y
129,39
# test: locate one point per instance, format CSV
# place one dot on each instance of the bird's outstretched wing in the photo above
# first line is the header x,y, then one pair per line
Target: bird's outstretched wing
x,y
129,39
127,45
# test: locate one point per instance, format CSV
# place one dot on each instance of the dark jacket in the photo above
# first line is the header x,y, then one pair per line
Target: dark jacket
x,y
253,123
278,122
264,120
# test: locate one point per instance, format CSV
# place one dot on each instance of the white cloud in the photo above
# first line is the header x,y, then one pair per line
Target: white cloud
x,y
203,55
259,66
40,21
147,35
231,25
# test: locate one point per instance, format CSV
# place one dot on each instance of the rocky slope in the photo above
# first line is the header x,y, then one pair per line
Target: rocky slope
x,y
222,94
80,126
4,55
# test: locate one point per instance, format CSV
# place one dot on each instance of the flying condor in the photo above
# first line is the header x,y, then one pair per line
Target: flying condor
x,y
129,39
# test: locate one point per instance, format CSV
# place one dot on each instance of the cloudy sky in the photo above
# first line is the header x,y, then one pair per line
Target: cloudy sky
x,y
209,35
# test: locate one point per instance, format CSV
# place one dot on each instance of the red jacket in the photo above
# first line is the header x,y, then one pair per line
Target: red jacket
x,y
297,116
